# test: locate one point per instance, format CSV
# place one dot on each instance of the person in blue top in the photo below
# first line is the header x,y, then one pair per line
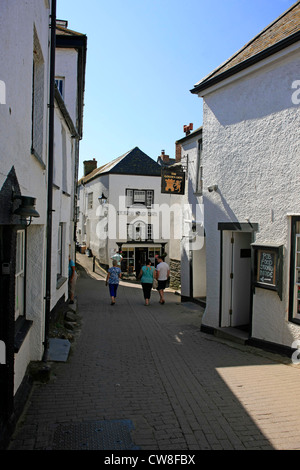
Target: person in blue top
x,y
146,276
113,276
72,280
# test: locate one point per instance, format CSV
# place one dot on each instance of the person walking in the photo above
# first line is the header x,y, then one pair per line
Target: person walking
x,y
147,275
118,257
72,280
162,275
112,279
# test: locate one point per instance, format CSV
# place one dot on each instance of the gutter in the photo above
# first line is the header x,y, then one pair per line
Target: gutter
x,y
50,177
247,63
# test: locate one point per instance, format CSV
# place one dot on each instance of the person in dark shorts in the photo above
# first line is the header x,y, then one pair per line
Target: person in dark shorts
x,y
162,275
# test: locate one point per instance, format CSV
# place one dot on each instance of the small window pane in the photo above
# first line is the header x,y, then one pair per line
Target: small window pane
x,y
139,196
129,197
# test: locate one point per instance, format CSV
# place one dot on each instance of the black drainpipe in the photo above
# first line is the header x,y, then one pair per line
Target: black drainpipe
x,y
50,177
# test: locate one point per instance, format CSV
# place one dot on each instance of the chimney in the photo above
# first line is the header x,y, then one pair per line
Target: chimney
x,y
165,158
89,166
188,129
178,152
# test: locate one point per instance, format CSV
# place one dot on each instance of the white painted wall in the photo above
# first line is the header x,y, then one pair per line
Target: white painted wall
x,y
18,20
251,150
66,67
64,171
191,202
16,57
115,186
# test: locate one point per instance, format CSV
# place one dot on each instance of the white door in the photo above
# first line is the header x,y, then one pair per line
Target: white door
x,y
236,279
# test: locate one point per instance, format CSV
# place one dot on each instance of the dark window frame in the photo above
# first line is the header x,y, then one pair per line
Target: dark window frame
x,y
292,318
139,203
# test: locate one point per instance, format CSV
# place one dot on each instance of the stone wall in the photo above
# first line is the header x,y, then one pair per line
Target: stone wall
x,y
175,273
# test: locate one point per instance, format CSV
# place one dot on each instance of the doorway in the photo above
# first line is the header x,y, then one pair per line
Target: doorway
x,y
141,255
236,296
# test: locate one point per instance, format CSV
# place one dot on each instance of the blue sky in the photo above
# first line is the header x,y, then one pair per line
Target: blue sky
x,y
144,57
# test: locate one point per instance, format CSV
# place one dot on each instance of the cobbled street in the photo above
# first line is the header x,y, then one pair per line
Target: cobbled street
x,y
179,389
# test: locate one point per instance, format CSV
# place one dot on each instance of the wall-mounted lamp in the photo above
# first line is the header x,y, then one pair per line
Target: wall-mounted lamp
x,y
102,198
212,188
26,209
248,221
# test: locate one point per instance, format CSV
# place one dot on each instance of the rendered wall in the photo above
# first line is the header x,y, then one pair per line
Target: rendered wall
x,y
251,150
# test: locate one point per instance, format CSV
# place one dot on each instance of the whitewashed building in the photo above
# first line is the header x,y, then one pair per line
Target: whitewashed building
x,y
192,244
119,208
29,146
24,69
70,63
250,160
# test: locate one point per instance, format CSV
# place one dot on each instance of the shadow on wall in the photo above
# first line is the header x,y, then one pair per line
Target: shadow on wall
x,y
216,213
255,97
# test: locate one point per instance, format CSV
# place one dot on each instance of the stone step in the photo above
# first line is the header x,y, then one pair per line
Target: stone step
x,y
232,334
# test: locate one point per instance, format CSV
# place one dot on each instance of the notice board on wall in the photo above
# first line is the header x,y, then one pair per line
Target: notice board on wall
x,y
266,266
268,262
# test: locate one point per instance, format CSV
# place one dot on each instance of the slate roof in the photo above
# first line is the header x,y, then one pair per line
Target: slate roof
x,y
283,32
63,31
133,162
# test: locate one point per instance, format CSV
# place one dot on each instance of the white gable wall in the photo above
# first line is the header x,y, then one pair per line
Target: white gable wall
x,y
251,150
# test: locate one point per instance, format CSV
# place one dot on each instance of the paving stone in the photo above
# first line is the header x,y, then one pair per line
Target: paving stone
x,y
127,364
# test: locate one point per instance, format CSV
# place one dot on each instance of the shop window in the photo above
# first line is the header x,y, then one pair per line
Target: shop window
x,y
294,300
127,263
153,253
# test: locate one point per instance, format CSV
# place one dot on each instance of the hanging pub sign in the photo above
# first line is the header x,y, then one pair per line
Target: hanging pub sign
x,y
172,182
268,267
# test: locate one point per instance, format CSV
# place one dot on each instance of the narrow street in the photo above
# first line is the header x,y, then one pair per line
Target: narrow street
x,y
151,368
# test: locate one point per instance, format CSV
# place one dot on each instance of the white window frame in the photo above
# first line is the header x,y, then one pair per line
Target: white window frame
x,y
60,83
20,275
60,238
149,232
90,201
64,160
139,232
